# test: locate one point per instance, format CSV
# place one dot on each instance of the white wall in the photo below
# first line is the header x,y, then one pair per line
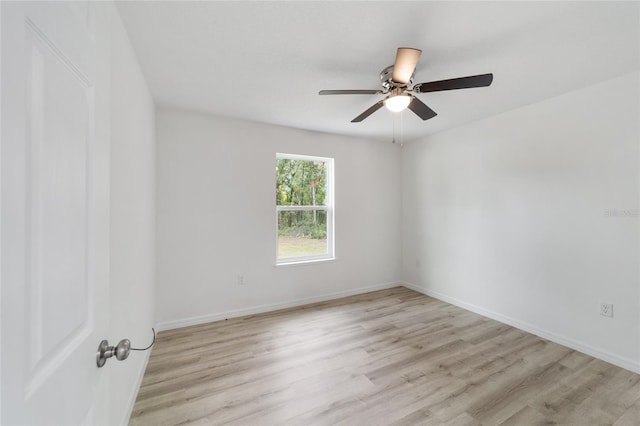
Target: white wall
x,y
132,287
510,217
216,217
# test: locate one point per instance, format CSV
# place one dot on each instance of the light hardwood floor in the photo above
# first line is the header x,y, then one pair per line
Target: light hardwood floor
x,y
389,357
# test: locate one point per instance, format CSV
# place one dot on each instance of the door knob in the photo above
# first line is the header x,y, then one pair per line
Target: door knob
x,y
120,351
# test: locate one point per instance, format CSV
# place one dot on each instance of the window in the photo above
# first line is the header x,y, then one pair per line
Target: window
x,y
304,208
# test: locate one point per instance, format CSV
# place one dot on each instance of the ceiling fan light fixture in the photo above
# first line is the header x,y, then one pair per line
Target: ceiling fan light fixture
x,y
397,103
397,85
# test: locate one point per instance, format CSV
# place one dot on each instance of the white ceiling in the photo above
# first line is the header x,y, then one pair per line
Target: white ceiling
x,y
266,61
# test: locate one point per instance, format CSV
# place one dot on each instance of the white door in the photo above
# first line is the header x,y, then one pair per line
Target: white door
x,y
54,198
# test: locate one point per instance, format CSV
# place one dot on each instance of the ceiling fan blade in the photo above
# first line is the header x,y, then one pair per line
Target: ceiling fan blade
x,y
405,65
481,80
368,112
421,109
350,92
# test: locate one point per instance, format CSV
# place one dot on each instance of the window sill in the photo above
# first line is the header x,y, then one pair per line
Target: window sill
x,y
304,262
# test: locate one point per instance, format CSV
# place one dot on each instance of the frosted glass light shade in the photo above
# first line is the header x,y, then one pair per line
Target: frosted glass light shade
x,y
398,103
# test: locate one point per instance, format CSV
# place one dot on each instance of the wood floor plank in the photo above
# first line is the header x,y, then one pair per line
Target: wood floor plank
x,y
389,357
630,417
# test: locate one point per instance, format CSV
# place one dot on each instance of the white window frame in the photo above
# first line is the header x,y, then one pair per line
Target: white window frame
x,y
328,207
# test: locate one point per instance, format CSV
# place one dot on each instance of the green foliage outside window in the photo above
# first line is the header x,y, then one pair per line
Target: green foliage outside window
x,y
301,183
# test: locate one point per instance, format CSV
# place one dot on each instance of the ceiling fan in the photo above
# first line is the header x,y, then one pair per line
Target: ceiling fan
x,y
397,82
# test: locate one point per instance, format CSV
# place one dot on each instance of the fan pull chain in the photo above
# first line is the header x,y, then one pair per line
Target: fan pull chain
x,y
401,128
393,120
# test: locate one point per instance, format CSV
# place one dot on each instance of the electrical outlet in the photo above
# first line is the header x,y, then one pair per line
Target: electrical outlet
x,y
240,279
606,309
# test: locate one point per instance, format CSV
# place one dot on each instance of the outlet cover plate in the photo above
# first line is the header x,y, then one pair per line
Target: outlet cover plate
x,y
606,309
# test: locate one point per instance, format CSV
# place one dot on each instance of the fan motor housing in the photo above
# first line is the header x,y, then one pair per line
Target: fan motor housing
x,y
386,79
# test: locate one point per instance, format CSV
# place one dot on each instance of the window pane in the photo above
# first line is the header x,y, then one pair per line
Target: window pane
x,y
302,233
301,182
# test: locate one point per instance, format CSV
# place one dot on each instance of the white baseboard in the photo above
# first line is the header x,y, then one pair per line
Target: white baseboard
x,y
170,325
135,389
623,362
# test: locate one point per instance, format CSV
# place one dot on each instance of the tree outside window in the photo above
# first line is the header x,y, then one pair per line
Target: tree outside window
x,y
304,187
